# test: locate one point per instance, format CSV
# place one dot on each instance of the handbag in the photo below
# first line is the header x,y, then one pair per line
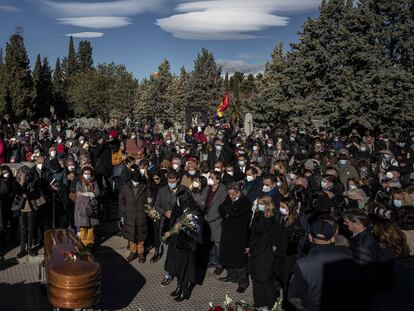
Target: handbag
x,y
17,205
93,210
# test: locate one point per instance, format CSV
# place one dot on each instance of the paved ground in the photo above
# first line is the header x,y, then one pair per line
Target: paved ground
x,y
125,286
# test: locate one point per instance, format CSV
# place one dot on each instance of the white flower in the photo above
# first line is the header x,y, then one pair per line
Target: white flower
x,y
227,300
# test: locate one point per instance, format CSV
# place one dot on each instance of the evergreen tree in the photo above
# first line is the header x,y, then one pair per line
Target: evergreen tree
x,y
179,97
205,82
59,90
42,82
85,58
19,84
3,91
69,63
142,107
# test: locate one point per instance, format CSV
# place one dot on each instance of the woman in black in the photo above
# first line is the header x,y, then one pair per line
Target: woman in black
x,y
180,262
262,232
286,245
157,181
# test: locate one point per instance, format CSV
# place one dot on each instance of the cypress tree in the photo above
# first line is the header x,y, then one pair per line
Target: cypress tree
x,y
71,62
3,93
179,97
19,82
59,90
85,58
47,88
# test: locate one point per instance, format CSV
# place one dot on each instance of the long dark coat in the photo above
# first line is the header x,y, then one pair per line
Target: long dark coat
x,y
131,204
234,234
260,243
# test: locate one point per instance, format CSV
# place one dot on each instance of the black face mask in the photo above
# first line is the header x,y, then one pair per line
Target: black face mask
x,y
352,204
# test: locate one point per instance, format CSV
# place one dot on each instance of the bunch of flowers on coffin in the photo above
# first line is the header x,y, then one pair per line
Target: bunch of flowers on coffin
x,y
230,305
73,255
188,222
152,212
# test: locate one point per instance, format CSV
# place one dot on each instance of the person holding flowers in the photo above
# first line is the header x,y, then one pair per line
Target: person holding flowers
x,y
185,233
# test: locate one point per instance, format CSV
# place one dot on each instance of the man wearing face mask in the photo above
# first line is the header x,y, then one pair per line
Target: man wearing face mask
x,y
176,165
241,168
236,214
270,188
213,196
345,169
252,186
218,154
164,203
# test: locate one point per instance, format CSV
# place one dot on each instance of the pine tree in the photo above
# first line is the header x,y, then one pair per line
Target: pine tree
x,y
85,58
19,84
59,90
37,83
205,82
142,109
162,90
47,88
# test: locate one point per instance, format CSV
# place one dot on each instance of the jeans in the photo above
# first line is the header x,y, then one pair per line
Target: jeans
x,y
215,254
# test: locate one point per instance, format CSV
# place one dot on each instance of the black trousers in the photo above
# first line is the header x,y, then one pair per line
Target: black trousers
x,y
26,221
238,274
264,294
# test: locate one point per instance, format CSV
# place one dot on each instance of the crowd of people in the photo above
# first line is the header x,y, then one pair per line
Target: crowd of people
x,y
291,209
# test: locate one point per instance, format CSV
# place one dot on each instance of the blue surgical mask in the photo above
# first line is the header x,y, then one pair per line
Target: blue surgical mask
x,y
261,207
172,186
397,203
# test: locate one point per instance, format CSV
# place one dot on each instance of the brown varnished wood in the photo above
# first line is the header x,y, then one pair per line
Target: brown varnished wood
x,y
70,284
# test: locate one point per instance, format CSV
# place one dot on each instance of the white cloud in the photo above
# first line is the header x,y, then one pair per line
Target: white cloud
x,y
103,8
231,66
96,21
230,19
85,34
8,8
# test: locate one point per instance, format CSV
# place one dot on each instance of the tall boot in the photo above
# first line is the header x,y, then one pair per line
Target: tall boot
x,y
157,254
30,249
185,293
178,290
23,251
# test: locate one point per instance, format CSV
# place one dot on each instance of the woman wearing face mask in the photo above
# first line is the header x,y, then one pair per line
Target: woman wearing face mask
x,y
132,198
87,192
260,252
197,187
289,236
191,170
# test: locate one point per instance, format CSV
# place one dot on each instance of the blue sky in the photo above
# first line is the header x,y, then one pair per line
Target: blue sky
x,y
141,33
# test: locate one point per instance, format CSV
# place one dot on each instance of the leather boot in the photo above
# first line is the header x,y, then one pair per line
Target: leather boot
x,y
177,291
157,254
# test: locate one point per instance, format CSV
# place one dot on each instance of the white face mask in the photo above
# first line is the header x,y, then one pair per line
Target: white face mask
x,y
135,183
238,145
292,176
269,145
191,172
242,163
219,147
142,171
175,166
196,184
39,166
266,189
53,154
6,175
249,178
343,162
254,148
231,173
352,187
363,149
284,211
71,168
279,184
133,137
210,182
86,177
216,169
168,142
324,184
81,142
59,141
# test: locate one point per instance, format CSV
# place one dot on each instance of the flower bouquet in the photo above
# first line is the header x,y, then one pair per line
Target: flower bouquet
x,y
152,212
187,221
230,305
73,255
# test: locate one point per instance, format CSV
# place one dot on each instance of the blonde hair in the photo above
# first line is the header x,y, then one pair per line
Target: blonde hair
x,y
267,201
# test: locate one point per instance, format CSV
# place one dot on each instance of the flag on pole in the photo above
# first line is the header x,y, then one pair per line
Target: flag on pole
x,y
221,110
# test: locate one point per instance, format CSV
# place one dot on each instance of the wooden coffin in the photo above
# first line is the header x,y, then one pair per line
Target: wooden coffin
x,y
71,284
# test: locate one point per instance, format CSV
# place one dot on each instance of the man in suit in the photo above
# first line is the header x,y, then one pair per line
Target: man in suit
x,y
241,168
218,154
214,195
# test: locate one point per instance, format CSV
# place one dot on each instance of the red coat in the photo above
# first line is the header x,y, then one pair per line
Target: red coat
x,y
2,151
200,137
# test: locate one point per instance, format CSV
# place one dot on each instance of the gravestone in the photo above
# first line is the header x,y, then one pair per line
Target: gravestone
x,y
248,124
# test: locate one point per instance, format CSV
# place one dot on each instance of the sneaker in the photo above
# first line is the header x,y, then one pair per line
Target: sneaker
x,y
166,282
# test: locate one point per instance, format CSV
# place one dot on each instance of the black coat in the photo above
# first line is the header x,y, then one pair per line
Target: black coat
x,y
365,248
262,233
234,235
131,204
